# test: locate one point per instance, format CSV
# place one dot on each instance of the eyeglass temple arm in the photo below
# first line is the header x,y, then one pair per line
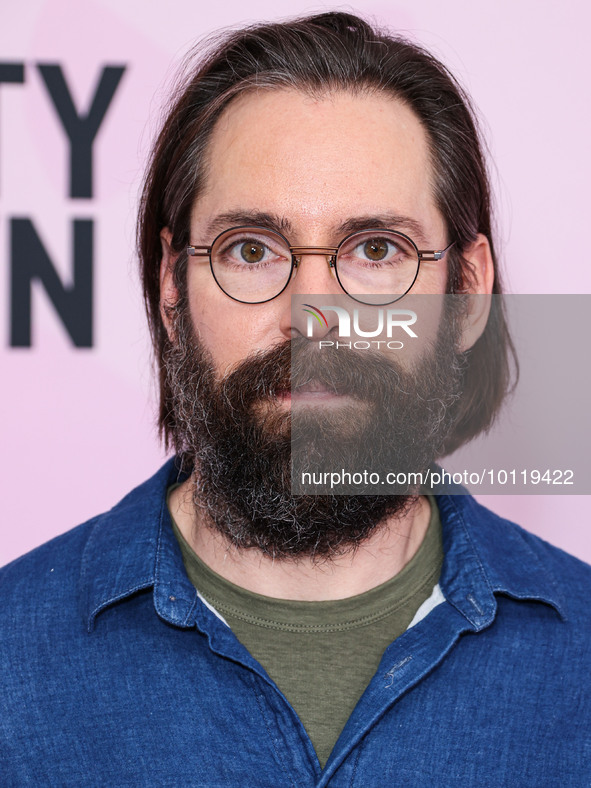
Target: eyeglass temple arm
x,y
430,256
198,251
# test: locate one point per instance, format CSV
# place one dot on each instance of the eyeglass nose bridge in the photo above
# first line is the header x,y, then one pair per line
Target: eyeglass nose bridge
x,y
330,252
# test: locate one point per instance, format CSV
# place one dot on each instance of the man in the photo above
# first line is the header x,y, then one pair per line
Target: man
x,y
214,629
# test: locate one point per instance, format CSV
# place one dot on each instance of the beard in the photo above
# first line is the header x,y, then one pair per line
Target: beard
x,y
247,454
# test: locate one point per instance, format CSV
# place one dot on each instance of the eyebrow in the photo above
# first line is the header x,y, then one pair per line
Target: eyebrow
x,y
272,221
240,218
386,221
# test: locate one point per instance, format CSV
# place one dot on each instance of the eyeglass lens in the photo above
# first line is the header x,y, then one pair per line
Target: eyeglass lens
x,y
254,264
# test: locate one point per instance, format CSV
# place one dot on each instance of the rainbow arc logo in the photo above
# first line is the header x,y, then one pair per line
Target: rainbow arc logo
x,y
315,312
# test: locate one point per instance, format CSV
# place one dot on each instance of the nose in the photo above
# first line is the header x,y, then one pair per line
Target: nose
x,y
314,276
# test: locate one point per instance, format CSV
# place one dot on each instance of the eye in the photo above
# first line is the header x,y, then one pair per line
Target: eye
x,y
376,249
373,249
246,252
252,251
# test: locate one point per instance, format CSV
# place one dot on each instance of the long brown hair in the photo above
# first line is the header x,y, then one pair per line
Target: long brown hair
x,y
328,51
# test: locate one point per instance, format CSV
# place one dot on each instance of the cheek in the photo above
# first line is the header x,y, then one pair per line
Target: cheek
x,y
428,309
432,278
230,331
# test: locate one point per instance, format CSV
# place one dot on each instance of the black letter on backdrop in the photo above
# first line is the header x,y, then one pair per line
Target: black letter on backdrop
x,y
29,261
12,72
81,129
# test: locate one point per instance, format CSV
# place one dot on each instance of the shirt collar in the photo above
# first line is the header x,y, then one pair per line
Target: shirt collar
x,y
132,549
487,555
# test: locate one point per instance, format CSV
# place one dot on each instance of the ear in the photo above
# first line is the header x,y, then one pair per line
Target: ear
x,y
480,284
168,290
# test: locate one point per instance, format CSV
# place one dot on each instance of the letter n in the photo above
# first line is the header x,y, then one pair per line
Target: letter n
x,y
30,262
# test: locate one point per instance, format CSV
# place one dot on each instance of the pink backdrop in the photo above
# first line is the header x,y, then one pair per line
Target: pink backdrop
x,y
78,423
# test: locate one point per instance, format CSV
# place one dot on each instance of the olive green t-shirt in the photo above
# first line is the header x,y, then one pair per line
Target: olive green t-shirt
x,y
322,655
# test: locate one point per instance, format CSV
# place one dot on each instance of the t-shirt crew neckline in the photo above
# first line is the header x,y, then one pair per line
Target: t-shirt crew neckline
x,y
319,616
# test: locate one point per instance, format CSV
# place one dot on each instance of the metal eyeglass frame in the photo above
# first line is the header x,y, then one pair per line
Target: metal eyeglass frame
x,y
331,253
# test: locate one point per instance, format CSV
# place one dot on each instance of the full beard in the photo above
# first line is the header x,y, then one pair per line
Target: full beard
x,y
245,451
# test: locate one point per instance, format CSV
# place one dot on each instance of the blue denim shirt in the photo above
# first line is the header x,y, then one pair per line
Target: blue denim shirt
x,y
115,673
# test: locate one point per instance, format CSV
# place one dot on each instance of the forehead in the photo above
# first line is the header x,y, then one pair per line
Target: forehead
x,y
317,162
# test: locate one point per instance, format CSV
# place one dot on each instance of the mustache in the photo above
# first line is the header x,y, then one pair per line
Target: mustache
x,y
299,362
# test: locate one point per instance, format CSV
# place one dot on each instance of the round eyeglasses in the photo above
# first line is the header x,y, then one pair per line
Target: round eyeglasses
x,y
254,264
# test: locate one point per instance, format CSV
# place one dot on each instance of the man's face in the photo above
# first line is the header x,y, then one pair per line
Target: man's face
x,y
309,168
313,165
